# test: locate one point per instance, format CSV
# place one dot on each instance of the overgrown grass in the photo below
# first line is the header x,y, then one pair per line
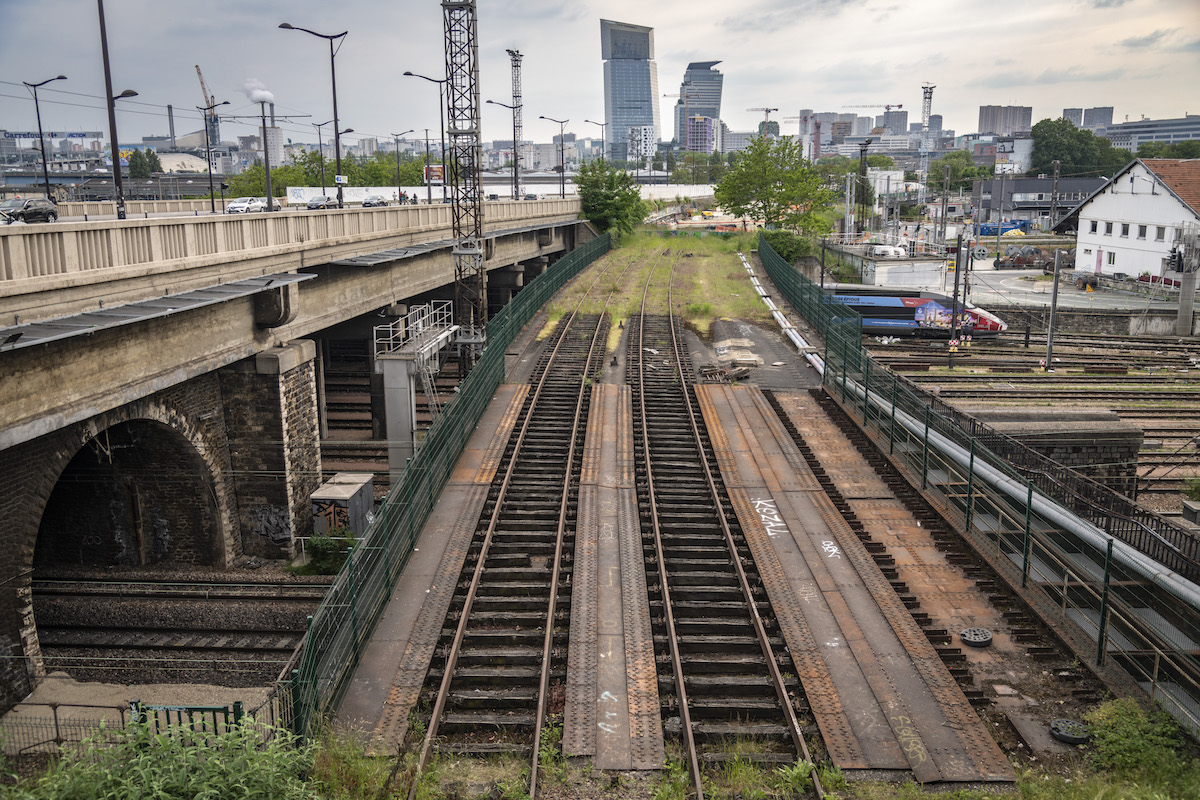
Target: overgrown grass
x,y
709,284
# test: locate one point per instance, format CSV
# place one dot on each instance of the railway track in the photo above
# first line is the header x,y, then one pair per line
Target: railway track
x,y
178,590
245,641
503,643
721,676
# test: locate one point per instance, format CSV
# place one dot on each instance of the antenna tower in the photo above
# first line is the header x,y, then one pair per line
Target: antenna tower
x,y
462,112
515,56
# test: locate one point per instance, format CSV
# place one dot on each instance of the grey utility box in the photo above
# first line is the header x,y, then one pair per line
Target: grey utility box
x,y
347,501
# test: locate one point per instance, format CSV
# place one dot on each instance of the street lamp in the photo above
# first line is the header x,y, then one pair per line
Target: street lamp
x,y
112,114
397,136
516,179
204,112
562,154
42,139
441,122
337,141
321,151
603,134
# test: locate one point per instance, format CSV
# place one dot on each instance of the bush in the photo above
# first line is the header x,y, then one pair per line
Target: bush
x,y
789,246
1128,741
1191,488
327,552
137,762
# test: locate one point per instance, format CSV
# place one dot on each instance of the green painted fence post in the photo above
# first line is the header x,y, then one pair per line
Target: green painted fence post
x,y
925,451
971,489
892,427
353,604
1028,543
1102,636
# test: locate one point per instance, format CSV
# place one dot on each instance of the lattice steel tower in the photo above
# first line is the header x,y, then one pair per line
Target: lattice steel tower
x,y
515,56
926,109
462,128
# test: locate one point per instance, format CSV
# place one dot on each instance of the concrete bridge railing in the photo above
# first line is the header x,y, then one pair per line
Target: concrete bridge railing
x,y
97,208
53,269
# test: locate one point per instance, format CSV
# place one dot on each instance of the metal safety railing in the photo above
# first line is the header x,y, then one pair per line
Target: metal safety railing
x,y
339,630
1099,585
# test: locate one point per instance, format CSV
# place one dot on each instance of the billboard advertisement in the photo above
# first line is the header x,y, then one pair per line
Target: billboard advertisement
x,y
434,175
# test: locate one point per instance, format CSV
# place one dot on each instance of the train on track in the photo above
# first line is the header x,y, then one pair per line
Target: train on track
x,y
913,312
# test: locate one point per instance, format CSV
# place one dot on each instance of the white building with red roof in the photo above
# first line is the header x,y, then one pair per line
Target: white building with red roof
x,y
1132,224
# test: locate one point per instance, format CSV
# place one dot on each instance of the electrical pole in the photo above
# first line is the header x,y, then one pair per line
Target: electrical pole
x,y
945,197
515,57
999,217
958,264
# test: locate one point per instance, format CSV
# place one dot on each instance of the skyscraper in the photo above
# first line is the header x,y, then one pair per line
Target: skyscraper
x,y
1073,116
1100,117
630,82
702,85
1005,120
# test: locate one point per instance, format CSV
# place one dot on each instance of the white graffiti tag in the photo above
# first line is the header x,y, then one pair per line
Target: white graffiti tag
x,y
768,513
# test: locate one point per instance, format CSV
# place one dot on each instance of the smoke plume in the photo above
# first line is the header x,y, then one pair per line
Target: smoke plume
x,y
254,89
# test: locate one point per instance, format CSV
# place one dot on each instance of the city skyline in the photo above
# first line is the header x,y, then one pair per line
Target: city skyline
x,y
1129,54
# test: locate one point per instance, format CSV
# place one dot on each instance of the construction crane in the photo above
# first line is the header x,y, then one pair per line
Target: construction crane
x,y
211,121
884,106
766,130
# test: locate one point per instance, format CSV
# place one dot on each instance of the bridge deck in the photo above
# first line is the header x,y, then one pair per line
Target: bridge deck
x,y
881,695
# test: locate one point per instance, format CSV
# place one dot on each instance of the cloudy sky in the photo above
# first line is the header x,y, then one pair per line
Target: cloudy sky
x,y
1140,56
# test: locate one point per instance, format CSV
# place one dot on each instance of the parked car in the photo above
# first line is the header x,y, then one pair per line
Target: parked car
x,y
244,205
375,201
322,202
29,209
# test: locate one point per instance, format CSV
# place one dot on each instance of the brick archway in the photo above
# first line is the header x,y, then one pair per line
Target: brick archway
x,y
135,494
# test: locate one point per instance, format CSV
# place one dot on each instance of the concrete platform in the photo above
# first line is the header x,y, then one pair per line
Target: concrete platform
x,y
612,710
389,677
878,690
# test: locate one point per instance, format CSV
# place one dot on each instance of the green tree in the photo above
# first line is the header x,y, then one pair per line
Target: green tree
x,y
657,162
772,182
138,166
961,168
1079,151
880,161
610,198
153,162
1188,149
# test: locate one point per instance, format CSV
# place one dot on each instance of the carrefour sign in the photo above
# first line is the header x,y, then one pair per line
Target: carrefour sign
x,y
54,135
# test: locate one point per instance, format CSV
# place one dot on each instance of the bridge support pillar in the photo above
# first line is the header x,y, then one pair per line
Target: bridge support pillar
x,y
274,446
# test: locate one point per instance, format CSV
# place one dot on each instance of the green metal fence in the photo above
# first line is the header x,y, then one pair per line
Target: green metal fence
x,y
340,628
1102,594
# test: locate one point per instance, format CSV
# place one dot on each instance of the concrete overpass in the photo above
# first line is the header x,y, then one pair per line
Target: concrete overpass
x,y
163,400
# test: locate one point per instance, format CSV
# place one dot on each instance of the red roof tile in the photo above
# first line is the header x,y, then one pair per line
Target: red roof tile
x,y
1182,175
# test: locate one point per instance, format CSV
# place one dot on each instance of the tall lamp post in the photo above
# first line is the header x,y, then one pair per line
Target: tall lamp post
x,y
603,133
441,122
337,141
321,151
516,179
41,138
428,185
112,114
562,154
397,136
204,112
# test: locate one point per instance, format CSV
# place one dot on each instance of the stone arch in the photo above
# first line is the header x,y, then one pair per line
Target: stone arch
x,y
135,494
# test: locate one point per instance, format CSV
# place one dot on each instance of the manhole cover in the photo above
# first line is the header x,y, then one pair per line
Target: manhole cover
x,y
1069,731
976,637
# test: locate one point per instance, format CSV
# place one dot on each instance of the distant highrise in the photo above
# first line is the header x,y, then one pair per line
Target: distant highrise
x,y
630,82
1005,120
1073,116
935,124
702,84
896,121
1097,117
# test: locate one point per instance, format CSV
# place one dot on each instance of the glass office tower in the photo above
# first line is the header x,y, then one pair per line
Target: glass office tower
x,y
630,83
